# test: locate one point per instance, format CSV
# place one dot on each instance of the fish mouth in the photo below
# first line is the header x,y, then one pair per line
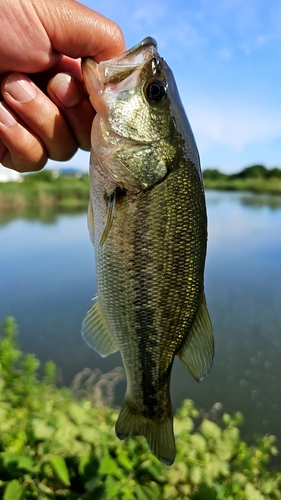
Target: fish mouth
x,y
113,73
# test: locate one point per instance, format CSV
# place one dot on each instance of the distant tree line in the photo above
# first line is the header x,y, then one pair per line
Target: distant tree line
x,y
254,171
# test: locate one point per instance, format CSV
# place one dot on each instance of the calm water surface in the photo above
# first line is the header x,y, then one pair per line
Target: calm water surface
x,y
47,279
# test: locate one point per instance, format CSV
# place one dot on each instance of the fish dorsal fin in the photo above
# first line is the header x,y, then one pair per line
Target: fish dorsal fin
x,y
110,209
197,350
91,222
96,333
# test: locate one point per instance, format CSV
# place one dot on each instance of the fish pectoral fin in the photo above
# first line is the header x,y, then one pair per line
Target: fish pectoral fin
x,y
110,210
197,350
91,222
159,435
96,333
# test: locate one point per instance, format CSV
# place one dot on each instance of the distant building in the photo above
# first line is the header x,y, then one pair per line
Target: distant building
x,y
8,175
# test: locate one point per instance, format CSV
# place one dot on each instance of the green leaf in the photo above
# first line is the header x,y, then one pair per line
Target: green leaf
x,y
140,493
76,413
169,492
93,484
210,430
108,466
152,493
252,493
30,364
195,475
50,372
268,486
124,461
224,449
10,460
41,430
60,469
25,463
14,461
199,442
111,487
88,465
13,491
88,434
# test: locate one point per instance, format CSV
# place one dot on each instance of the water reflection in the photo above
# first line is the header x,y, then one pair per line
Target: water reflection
x,y
243,281
47,279
246,198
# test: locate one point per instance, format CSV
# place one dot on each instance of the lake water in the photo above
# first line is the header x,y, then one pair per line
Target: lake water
x,y
47,279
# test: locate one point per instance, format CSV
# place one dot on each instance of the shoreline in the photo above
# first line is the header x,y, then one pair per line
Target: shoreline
x,y
47,191
255,186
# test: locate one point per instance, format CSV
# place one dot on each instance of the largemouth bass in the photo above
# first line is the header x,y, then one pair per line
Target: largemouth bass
x,y
147,220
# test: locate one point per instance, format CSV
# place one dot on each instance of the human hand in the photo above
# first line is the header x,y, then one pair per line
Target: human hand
x,y
45,112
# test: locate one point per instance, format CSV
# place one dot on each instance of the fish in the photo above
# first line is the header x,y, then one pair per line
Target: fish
x,y
147,220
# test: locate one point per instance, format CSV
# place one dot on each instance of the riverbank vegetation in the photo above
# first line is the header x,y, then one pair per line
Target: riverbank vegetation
x,y
257,179
46,190
53,445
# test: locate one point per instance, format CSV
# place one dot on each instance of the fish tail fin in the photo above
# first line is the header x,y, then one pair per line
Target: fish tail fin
x,y
159,434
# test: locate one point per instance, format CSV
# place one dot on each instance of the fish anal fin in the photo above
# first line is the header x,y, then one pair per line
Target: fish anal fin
x,y
197,350
159,434
96,333
91,222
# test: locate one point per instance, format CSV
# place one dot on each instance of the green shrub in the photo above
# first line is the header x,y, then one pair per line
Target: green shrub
x,y
53,446
213,174
45,175
257,179
45,189
254,171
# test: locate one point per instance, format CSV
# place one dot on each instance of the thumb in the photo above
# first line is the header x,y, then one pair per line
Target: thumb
x,y
77,31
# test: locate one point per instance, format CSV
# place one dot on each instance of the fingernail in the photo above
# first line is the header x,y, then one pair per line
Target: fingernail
x,y
66,89
5,117
20,88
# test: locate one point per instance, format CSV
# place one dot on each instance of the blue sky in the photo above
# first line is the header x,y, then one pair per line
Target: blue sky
x,y
226,57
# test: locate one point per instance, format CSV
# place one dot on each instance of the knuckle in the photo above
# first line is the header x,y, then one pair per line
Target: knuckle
x,y
31,155
62,153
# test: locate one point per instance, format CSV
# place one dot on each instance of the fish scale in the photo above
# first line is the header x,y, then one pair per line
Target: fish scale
x,y
147,220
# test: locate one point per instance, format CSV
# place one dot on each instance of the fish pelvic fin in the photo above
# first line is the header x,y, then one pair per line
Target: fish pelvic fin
x,y
96,333
159,434
197,350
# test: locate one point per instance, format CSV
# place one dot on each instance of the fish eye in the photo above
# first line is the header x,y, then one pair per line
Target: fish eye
x,y
156,91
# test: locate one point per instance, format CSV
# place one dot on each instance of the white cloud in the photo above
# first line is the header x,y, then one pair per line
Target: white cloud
x,y
235,125
147,12
224,53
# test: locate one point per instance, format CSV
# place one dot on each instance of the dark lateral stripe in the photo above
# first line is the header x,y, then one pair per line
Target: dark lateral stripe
x,y
144,314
